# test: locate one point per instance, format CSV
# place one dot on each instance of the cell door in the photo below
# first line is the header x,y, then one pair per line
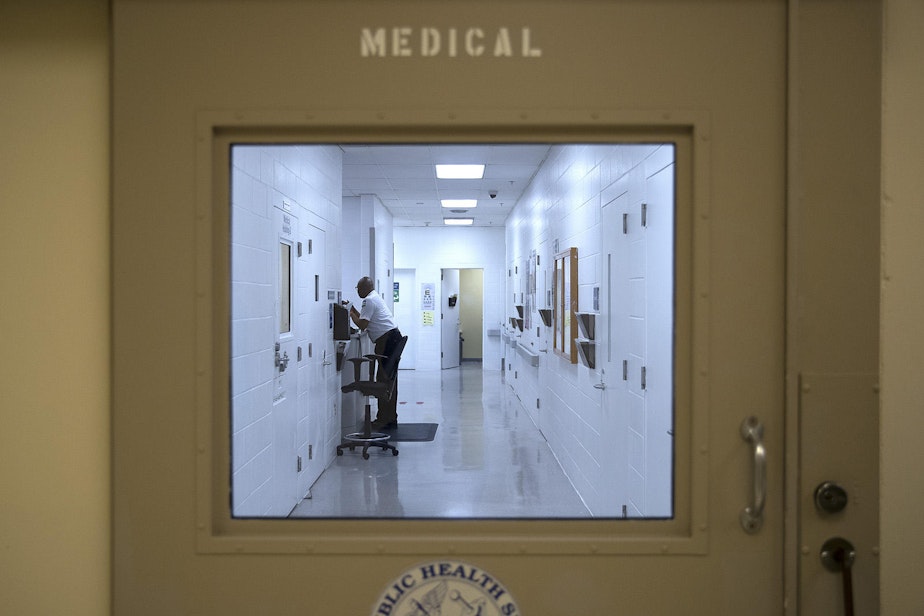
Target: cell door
x,y
285,364
637,341
316,415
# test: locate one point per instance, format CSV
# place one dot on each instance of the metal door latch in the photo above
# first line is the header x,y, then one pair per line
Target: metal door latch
x,y
282,362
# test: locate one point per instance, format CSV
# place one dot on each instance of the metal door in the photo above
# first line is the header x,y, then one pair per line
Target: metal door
x,y
717,83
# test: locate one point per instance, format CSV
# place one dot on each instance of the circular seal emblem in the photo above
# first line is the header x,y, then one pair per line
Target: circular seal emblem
x,y
445,588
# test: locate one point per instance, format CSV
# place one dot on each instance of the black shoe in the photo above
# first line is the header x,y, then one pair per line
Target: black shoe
x,y
382,424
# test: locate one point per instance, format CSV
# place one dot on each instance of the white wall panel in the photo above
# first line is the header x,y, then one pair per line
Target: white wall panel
x,y
305,182
563,204
428,251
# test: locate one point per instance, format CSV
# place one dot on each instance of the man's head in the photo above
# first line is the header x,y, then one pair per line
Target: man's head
x,y
365,286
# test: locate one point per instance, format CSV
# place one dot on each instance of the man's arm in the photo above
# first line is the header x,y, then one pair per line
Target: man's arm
x,y
360,323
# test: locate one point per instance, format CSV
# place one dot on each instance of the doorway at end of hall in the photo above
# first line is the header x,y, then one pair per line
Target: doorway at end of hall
x,y
462,315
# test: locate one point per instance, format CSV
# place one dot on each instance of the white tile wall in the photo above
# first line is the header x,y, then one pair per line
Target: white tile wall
x,y
308,179
599,436
427,251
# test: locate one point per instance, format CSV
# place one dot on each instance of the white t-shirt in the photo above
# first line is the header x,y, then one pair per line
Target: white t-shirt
x,y
376,312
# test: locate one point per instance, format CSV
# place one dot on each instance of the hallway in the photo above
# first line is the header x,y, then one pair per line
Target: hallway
x,y
487,460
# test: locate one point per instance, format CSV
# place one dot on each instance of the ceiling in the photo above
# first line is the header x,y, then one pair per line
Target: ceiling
x,y
404,178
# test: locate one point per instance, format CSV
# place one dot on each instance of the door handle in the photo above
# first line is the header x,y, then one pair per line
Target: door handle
x,y
282,362
752,516
837,556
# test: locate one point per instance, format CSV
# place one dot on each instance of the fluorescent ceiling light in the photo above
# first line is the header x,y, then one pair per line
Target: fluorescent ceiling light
x,y
460,172
462,204
458,221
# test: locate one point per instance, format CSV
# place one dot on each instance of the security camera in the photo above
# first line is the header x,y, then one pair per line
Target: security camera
x,y
493,194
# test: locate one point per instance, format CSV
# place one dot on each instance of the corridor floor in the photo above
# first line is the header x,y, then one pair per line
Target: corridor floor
x,y
488,459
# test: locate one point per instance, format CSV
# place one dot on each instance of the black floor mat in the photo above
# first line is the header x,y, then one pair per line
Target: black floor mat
x,y
409,432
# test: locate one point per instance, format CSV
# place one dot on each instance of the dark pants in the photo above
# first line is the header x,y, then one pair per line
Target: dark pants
x,y
386,345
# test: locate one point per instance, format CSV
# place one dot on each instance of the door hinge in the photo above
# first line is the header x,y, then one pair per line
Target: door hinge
x,y
299,249
625,223
644,214
310,451
644,377
625,370
298,464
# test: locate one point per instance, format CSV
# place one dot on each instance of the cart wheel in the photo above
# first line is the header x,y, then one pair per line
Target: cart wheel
x,y
394,452
339,452
365,455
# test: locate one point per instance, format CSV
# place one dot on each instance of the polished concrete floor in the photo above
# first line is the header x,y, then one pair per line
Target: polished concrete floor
x,y
487,460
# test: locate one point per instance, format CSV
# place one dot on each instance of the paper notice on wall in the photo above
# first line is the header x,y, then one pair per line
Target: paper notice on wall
x,y
428,296
428,317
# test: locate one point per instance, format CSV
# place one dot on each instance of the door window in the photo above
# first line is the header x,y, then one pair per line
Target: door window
x,y
285,288
608,417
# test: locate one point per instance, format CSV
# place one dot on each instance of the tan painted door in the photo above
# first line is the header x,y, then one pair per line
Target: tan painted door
x,y
562,70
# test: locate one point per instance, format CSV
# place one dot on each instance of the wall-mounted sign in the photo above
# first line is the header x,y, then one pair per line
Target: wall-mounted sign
x,y
446,587
428,296
429,42
428,318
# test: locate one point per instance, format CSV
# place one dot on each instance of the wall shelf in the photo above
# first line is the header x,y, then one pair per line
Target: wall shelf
x,y
546,315
587,352
587,324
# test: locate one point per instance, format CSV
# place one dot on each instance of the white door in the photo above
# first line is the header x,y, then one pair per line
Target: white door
x,y
636,344
315,413
449,310
655,230
285,364
613,342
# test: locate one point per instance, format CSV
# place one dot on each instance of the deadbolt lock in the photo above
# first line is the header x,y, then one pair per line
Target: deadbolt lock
x,y
830,497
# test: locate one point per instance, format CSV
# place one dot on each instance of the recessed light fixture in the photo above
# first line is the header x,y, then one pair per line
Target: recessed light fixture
x,y
460,172
459,203
458,221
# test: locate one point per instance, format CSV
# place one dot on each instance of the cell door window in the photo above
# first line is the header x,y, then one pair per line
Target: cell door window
x,y
285,288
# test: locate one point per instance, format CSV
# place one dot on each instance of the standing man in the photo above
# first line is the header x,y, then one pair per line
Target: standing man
x,y
376,319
